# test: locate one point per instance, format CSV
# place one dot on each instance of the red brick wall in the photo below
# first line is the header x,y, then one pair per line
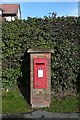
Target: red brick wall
x,y
40,97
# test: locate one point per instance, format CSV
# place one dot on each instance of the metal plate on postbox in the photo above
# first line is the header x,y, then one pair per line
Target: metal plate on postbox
x,y
40,73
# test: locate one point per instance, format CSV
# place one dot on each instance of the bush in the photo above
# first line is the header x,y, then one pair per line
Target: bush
x,y
60,34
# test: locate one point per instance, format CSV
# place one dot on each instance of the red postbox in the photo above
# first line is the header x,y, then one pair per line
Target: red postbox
x,y
40,73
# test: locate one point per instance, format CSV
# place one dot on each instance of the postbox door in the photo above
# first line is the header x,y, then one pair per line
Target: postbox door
x,y
40,73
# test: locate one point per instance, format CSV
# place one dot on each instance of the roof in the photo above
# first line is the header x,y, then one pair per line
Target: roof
x,y
1,9
9,8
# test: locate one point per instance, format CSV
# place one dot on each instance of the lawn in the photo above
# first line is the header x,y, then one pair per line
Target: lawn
x,y
14,102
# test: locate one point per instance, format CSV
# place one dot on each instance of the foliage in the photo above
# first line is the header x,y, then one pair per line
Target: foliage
x,y
60,34
14,102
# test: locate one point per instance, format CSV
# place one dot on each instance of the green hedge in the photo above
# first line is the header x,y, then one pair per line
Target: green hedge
x,y
60,34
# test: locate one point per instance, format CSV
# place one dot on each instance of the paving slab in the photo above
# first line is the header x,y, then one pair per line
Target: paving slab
x,y
41,115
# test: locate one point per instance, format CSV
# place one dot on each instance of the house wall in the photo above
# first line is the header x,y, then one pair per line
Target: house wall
x,y
0,12
19,14
9,18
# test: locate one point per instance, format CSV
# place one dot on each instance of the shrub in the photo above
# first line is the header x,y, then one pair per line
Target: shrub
x,y
60,34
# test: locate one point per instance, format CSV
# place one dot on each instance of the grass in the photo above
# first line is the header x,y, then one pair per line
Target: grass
x,y
66,105
14,102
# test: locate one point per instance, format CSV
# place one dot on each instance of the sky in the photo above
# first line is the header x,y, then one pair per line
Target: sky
x,y
41,9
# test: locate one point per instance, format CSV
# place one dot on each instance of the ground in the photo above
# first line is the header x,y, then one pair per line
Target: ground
x,y
14,102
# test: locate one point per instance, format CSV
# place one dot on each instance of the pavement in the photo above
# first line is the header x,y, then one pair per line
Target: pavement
x,y
41,115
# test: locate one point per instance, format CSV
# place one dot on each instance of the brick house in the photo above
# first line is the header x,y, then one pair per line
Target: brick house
x,y
10,11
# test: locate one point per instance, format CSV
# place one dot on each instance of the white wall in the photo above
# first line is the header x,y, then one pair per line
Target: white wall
x,y
9,18
0,12
18,14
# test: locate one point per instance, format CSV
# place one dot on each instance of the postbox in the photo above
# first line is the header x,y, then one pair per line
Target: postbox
x,y
40,73
40,77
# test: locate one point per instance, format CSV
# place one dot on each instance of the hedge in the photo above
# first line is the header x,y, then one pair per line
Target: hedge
x,y
60,34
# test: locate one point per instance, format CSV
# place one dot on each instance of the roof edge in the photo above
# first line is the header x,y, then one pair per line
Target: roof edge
x,y
40,50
